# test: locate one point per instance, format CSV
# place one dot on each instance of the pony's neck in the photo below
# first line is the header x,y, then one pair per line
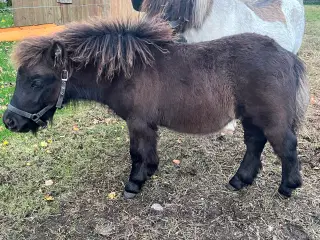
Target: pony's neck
x,y
83,85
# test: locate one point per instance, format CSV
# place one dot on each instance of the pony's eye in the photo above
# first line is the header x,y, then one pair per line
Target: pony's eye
x,y
37,83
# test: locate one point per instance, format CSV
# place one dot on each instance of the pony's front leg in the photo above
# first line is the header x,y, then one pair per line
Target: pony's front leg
x,y
143,151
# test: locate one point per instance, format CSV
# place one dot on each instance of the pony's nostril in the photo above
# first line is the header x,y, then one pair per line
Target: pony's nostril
x,y
10,123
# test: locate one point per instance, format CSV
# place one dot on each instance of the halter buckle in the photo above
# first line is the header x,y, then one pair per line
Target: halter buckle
x,y
35,117
64,75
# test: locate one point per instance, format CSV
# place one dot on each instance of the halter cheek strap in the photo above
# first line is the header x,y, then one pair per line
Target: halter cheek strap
x,y
36,117
64,79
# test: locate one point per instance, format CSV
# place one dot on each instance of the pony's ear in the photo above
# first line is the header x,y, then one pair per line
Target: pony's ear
x,y
58,54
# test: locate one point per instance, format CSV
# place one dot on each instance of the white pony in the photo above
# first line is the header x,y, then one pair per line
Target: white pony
x,y
204,20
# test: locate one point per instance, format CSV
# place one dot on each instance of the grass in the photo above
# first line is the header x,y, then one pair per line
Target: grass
x,y
6,16
7,73
7,79
90,161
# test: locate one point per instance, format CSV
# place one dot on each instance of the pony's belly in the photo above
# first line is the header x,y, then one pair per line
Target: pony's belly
x,y
224,124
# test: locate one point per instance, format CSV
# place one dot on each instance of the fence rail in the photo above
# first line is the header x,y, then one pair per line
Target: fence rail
x,y
36,12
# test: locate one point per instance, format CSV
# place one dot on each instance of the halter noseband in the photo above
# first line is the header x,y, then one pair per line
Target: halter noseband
x,y
36,117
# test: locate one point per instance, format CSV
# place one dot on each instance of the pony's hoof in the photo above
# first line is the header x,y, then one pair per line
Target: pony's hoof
x,y
285,192
236,183
287,188
129,195
231,188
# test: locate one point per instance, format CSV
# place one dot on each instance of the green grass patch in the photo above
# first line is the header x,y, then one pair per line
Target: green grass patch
x,y
37,159
312,13
7,82
6,16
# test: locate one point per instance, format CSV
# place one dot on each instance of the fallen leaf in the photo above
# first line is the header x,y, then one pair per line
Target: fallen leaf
x,y
1,70
112,196
75,128
28,163
176,162
48,197
104,229
312,100
270,228
44,144
48,182
110,121
49,140
95,121
157,207
5,143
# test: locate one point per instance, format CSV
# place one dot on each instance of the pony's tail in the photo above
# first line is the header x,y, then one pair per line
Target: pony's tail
x,y
302,94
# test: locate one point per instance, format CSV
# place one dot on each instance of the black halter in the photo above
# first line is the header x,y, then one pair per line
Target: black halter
x,y
36,117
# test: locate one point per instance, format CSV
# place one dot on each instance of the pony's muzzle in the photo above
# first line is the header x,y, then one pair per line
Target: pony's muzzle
x,y
10,122
14,122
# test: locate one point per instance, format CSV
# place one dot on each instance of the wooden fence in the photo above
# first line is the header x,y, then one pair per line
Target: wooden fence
x,y
35,12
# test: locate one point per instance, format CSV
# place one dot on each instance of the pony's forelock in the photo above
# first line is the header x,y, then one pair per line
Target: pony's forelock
x,y
31,51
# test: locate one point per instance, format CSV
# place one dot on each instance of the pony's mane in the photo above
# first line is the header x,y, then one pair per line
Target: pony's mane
x,y
113,47
189,13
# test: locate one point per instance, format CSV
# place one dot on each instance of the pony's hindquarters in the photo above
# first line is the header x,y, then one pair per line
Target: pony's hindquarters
x,y
273,96
228,17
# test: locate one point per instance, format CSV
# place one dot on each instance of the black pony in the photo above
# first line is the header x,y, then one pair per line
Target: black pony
x,y
149,80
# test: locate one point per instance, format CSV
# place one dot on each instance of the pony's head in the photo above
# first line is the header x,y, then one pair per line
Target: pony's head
x,y
104,49
41,65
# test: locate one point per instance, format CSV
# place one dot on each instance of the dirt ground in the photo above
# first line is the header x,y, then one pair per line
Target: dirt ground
x,y
86,155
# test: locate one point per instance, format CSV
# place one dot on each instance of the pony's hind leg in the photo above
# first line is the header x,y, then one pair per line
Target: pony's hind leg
x,y
143,151
255,141
284,143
